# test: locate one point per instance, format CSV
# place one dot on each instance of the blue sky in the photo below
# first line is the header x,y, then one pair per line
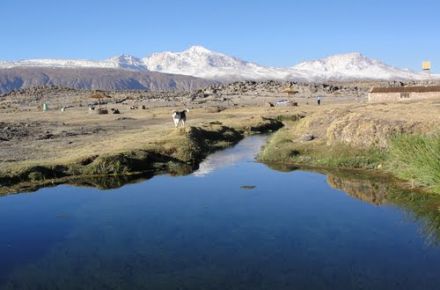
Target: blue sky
x,y
277,33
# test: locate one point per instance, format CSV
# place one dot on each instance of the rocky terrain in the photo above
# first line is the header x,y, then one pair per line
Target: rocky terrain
x,y
69,132
222,95
257,92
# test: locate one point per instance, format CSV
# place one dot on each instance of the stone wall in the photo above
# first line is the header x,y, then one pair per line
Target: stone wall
x,y
401,97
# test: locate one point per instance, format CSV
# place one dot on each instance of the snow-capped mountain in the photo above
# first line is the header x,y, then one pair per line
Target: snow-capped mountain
x,y
200,62
123,62
352,66
126,62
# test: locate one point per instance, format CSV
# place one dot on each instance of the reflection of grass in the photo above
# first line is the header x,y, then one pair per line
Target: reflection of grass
x,y
381,189
422,206
416,157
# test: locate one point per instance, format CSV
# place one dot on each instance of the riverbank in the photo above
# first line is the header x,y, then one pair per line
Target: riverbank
x,y
398,139
47,147
144,142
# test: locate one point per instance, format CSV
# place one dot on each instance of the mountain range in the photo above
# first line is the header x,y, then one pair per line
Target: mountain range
x,y
129,72
200,62
109,79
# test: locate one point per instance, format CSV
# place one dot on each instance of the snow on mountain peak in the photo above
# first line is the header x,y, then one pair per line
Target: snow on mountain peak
x,y
201,62
196,61
126,61
125,58
352,65
353,60
198,49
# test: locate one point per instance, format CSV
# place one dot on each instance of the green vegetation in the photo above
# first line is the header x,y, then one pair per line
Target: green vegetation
x,y
416,158
283,149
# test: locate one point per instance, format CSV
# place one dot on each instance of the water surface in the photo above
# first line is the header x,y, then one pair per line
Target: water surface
x,y
233,224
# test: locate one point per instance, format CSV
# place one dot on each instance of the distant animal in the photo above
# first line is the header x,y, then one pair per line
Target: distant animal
x,y
179,117
115,111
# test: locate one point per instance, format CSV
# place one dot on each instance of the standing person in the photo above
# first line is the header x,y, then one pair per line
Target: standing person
x,y
318,99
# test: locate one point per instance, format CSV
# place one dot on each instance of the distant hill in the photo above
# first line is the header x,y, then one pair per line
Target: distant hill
x,y
95,78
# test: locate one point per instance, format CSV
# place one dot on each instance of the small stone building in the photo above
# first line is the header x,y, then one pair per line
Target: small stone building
x,y
401,94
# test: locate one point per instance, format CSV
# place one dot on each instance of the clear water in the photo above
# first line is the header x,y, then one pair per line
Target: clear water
x,y
233,224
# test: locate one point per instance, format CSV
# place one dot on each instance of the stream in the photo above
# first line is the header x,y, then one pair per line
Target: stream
x,y
232,224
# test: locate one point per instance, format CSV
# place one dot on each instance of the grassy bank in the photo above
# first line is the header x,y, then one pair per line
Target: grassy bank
x,y
177,152
282,148
413,158
353,136
416,158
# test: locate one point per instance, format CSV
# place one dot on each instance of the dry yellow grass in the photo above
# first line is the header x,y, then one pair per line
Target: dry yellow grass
x,y
105,135
78,135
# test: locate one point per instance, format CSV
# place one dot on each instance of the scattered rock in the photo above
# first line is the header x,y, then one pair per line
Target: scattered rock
x,y
45,136
68,134
215,109
269,104
307,137
125,118
101,111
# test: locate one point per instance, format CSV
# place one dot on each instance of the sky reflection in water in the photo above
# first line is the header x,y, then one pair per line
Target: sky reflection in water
x,y
292,231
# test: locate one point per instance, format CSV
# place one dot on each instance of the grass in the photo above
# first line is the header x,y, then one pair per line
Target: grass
x,y
100,135
416,158
282,148
173,151
147,140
